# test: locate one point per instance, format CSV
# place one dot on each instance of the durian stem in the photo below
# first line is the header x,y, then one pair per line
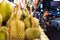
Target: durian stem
x,y
27,10
31,15
17,8
12,13
16,12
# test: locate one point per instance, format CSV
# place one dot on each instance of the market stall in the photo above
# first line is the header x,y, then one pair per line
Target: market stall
x,y
19,24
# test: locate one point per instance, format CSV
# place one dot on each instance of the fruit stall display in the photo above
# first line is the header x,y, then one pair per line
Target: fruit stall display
x,y
20,25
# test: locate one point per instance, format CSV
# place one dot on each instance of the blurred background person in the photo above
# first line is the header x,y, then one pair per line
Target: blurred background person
x,y
44,21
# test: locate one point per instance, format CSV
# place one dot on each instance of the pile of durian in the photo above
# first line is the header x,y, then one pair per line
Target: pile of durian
x,y
21,28
20,25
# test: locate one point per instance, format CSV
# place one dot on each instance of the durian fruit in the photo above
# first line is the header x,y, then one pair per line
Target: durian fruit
x,y
3,33
16,27
17,30
35,22
32,33
5,10
27,22
3,30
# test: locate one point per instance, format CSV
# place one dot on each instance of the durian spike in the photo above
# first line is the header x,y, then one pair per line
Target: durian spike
x,y
31,15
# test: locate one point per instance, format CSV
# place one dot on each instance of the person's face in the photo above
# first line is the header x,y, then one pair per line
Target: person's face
x,y
46,13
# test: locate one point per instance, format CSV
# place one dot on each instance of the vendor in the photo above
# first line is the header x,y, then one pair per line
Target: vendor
x,y
44,19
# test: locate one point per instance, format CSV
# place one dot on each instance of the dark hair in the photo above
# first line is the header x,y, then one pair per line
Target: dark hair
x,y
45,10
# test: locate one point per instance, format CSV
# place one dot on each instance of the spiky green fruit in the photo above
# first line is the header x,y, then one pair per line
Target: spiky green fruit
x,y
3,33
28,22
17,30
16,27
32,33
35,22
5,10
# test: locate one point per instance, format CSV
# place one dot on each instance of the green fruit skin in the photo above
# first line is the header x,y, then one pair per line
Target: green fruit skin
x,y
32,33
5,10
3,33
28,23
17,30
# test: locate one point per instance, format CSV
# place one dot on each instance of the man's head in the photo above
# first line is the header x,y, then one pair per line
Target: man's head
x,y
45,13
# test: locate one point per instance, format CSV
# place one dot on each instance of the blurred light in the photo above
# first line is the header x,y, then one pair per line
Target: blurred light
x,y
56,0
0,1
41,5
41,10
57,9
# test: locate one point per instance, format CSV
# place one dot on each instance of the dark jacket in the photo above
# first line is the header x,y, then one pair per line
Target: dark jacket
x,y
38,7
